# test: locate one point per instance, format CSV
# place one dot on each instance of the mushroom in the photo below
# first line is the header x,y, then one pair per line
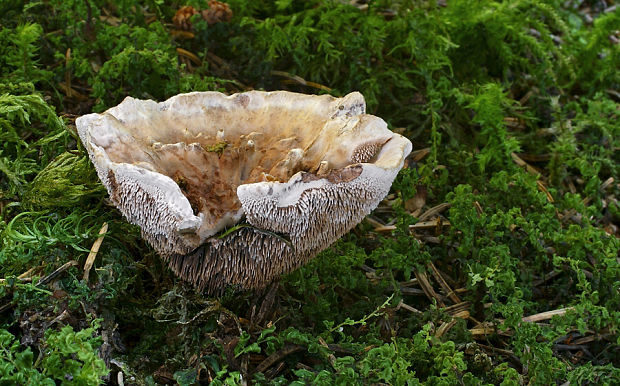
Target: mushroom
x,y
237,190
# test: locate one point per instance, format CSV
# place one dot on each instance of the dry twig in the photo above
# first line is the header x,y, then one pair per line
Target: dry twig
x,y
449,292
428,288
434,211
489,328
524,164
299,80
417,226
90,260
277,356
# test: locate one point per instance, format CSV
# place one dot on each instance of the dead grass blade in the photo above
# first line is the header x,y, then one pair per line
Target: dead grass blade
x,y
94,250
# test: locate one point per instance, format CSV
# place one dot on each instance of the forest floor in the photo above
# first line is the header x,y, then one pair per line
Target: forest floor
x,y
493,260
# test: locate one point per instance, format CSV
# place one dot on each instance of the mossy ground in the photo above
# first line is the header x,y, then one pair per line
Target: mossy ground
x,y
495,259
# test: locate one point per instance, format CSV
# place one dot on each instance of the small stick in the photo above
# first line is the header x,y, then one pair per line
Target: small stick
x,y
191,56
428,225
486,331
43,281
408,308
331,357
24,277
24,280
546,278
459,310
27,274
602,188
478,208
546,315
420,225
411,291
591,338
445,327
267,304
176,33
534,157
607,183
300,80
497,349
57,272
68,72
526,97
374,222
524,164
542,188
417,155
434,211
57,319
490,328
409,283
94,250
428,289
449,292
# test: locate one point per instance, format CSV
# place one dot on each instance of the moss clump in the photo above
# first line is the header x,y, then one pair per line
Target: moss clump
x,y
494,259
217,148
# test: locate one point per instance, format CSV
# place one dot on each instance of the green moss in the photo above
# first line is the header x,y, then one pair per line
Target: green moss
x,y
479,84
71,359
217,148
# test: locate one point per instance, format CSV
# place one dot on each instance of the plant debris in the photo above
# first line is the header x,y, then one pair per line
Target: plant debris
x,y
493,260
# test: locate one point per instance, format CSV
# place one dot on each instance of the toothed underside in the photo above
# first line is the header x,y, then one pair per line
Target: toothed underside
x,y
294,165
250,258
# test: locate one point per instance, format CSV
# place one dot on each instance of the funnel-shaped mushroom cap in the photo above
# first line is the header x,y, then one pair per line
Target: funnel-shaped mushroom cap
x,y
236,190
